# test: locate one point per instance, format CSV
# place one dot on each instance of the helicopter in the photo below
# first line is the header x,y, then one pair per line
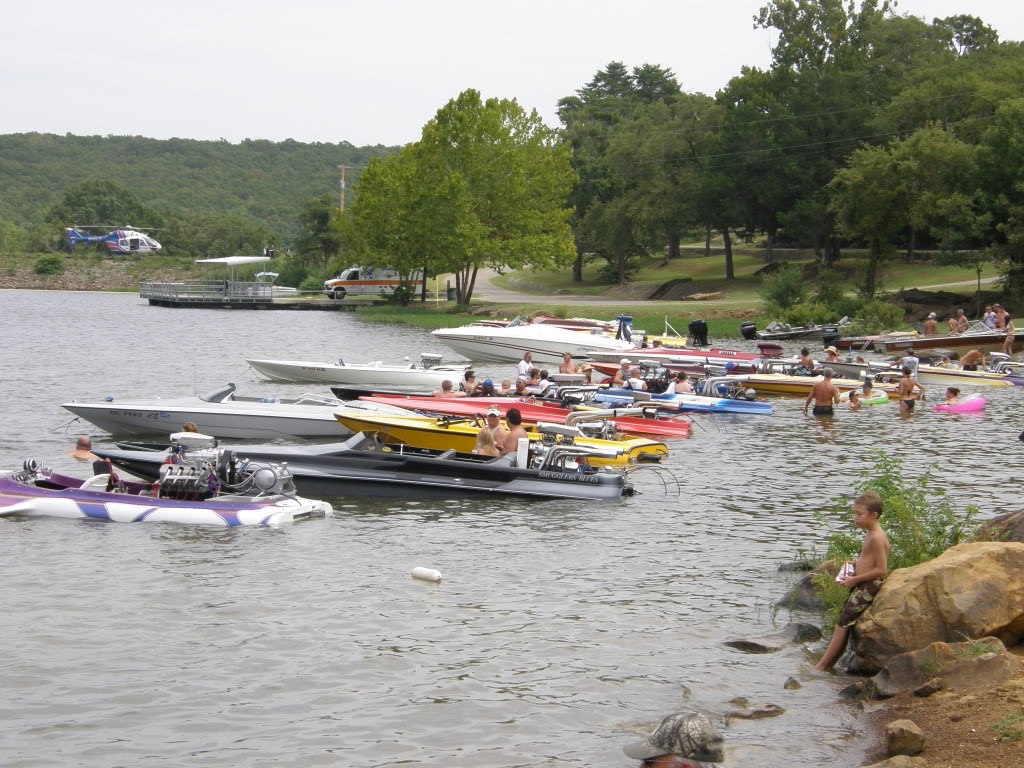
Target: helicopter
x,y
127,239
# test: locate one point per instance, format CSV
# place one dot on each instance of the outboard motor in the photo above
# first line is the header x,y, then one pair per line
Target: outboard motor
x,y
428,360
698,333
829,335
748,331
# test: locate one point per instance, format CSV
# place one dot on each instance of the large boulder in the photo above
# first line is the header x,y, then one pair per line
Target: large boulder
x,y
975,664
1008,527
972,590
904,737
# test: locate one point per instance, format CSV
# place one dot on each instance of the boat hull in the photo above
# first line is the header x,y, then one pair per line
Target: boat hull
x,y
959,378
303,372
338,471
983,342
507,345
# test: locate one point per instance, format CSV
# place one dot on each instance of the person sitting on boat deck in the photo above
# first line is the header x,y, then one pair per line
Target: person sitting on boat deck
x,y
525,365
806,365
945,362
911,361
622,375
833,355
533,381
486,389
190,427
860,359
510,442
520,388
485,443
989,318
587,371
506,387
931,326
952,396
824,394
972,360
635,383
568,366
83,450
962,323
682,740
854,404
545,383
494,424
1010,334
468,383
905,389
683,384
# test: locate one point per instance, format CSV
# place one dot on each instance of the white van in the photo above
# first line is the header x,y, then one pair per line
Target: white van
x,y
368,281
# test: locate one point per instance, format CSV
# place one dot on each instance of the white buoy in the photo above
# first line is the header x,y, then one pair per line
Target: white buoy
x,y
426,574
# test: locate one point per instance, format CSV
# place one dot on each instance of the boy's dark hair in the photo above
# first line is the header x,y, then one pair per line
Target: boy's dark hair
x,y
514,417
872,501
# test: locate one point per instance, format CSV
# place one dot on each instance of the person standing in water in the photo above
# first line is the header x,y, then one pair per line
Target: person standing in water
x,y
906,389
825,396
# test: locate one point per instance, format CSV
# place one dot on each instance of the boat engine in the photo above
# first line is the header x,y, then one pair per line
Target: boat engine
x,y
602,429
428,360
656,375
748,331
698,331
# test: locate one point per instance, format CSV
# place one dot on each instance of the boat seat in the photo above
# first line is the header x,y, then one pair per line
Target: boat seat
x,y
508,460
96,483
449,454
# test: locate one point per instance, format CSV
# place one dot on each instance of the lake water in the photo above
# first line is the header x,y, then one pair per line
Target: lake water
x,y
560,631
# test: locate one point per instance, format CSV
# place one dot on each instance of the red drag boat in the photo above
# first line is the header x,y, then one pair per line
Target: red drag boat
x,y
532,412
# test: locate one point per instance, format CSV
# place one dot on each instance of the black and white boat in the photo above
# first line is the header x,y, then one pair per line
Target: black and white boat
x,y
362,466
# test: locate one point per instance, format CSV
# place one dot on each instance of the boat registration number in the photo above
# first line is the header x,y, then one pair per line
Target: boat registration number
x,y
566,476
140,414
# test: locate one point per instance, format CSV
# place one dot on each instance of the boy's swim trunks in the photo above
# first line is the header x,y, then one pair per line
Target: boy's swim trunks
x,y
858,601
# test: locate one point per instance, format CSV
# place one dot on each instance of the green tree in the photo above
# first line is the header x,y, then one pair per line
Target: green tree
x,y
99,203
211,237
321,228
1002,177
510,178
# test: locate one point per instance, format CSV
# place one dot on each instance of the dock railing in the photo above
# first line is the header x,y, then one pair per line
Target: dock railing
x,y
205,291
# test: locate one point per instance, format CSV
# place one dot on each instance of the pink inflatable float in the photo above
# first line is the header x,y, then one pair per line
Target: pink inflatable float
x,y
970,404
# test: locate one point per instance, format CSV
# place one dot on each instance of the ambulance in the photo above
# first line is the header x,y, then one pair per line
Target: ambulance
x,y
368,281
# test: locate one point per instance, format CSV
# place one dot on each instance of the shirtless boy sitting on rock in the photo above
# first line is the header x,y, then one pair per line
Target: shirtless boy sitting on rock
x,y
868,574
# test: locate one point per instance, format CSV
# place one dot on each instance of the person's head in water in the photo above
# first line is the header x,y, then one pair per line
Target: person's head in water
x,y
688,735
868,386
952,392
83,443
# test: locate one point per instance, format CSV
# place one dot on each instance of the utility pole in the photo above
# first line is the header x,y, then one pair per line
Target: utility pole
x,y
341,204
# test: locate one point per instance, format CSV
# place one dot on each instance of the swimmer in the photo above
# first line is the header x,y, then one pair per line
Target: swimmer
x,y
854,404
952,396
906,389
824,394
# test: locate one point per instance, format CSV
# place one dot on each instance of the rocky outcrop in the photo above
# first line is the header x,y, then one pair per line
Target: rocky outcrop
x,y
795,632
803,596
972,590
1008,527
904,737
975,664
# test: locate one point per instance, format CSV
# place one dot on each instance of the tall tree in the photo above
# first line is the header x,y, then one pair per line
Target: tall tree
x,y
321,228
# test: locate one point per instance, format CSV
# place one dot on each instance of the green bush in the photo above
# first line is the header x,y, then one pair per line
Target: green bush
x,y
875,317
783,288
311,283
919,519
49,265
809,313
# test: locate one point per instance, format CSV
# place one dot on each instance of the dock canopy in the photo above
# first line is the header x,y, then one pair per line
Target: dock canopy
x,y
234,261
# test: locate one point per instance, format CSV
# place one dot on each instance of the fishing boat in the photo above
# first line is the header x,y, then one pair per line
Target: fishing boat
x,y
459,434
548,343
203,486
631,421
780,331
222,413
429,373
363,466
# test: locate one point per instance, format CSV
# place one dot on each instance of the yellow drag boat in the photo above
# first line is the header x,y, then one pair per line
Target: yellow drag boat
x,y
957,377
784,384
459,434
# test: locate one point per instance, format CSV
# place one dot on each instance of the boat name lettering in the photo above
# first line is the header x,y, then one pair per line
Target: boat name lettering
x,y
132,414
566,476
311,368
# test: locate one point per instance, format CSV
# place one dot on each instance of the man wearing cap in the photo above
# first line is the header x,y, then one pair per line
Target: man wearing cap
x,y
622,375
494,425
683,740
931,325
484,390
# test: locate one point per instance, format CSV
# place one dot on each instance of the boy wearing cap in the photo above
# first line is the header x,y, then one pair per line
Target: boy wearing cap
x,y
682,740
931,325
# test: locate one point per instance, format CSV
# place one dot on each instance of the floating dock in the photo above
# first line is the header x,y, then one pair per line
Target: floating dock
x,y
229,294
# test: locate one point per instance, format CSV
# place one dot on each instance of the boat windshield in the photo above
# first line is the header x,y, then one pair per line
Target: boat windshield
x,y
520,320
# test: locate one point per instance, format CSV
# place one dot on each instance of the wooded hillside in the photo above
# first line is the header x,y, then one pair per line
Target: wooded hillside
x,y
262,180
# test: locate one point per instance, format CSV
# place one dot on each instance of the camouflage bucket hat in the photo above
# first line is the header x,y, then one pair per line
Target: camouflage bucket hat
x,y
688,734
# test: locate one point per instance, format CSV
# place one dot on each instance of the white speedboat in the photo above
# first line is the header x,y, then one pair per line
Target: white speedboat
x,y
547,343
222,413
428,374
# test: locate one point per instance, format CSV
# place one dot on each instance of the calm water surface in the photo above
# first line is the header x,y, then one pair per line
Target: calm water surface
x,y
560,630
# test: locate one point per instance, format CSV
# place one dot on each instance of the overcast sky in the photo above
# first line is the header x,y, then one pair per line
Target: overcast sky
x,y
367,72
